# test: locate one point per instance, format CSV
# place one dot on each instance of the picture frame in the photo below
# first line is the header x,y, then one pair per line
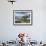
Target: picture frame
x,y
22,17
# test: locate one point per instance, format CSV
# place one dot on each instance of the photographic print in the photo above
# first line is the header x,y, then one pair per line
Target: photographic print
x,y
22,17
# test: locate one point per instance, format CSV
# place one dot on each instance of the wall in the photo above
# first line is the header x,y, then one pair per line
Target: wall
x,y
38,30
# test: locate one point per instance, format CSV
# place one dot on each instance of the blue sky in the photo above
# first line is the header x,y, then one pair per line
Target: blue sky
x,y
20,13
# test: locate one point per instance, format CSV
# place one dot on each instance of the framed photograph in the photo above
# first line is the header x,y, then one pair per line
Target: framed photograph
x,y
22,17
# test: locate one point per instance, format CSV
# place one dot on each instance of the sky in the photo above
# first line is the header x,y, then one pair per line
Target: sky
x,y
21,13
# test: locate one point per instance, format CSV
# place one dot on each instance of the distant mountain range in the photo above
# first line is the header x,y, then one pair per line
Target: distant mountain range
x,y
18,17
